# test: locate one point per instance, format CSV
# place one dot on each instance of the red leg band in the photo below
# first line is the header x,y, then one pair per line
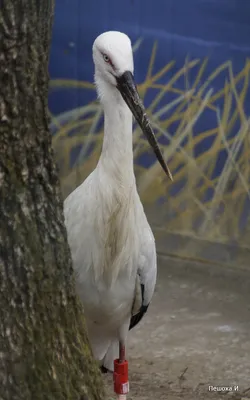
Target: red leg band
x,y
121,383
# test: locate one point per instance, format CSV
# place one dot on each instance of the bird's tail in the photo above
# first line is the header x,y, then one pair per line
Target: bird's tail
x,y
111,355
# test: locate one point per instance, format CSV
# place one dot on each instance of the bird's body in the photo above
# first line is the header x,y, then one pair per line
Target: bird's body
x,y
111,242
110,239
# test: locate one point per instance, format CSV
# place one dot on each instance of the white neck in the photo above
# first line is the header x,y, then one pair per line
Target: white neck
x,y
117,151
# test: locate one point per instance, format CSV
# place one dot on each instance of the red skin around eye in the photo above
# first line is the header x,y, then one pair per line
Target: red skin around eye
x,y
112,65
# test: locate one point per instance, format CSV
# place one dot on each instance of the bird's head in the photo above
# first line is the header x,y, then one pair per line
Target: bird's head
x,y
112,55
114,67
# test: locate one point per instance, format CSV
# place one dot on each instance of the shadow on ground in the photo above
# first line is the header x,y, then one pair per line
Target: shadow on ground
x,y
195,334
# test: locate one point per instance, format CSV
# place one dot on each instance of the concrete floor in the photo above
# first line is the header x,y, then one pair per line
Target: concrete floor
x,y
195,334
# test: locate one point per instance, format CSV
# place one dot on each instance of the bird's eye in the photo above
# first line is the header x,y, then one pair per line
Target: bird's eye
x,y
106,58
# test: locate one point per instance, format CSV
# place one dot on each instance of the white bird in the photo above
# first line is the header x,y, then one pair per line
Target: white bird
x,y
111,242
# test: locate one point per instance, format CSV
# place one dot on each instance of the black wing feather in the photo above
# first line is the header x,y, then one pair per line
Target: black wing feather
x,y
135,319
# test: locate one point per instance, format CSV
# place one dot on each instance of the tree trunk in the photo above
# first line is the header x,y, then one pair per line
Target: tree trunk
x,y
44,352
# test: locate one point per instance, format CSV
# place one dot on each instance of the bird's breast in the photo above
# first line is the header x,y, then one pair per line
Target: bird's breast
x,y
105,234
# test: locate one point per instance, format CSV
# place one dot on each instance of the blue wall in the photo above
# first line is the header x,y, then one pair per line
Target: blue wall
x,y
219,29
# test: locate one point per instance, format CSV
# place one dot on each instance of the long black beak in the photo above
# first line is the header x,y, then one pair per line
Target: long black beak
x,y
127,88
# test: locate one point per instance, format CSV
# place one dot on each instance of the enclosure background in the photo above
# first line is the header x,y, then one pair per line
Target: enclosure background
x,y
192,69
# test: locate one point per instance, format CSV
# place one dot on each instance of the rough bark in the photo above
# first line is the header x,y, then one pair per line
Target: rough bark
x,y
44,352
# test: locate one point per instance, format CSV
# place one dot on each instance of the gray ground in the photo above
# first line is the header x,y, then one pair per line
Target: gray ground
x,y
195,334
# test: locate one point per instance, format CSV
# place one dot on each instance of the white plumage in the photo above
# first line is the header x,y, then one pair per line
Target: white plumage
x,y
111,242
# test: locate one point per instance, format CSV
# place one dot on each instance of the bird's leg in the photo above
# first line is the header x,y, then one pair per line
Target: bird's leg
x,y
121,384
121,352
